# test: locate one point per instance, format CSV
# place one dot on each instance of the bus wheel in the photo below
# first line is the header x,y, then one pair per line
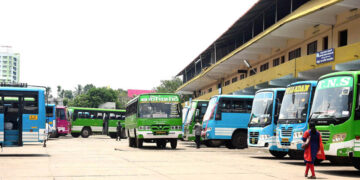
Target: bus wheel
x,y
173,143
75,135
139,143
229,145
239,140
214,143
356,162
85,133
278,154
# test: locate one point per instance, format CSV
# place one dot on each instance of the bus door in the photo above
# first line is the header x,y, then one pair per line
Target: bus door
x,y
106,123
11,117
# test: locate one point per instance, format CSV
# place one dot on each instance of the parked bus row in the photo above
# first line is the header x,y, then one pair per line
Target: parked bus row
x,y
276,118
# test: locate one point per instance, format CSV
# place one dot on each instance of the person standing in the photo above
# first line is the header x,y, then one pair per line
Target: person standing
x,y
118,131
198,129
313,149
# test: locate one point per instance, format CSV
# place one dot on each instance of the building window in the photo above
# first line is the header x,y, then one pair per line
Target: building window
x,y
234,80
282,59
210,90
294,54
276,62
312,48
242,76
343,35
264,67
253,71
325,43
227,82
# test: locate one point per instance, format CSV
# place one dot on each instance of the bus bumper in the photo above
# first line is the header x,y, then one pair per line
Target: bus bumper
x,y
342,148
150,135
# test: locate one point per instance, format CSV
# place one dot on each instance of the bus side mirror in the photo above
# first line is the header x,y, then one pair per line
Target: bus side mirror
x,y
197,112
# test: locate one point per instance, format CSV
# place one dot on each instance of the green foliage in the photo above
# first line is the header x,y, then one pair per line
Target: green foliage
x,y
94,97
169,86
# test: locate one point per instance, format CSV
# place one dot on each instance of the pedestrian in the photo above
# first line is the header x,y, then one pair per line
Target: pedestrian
x,y
313,149
118,131
198,129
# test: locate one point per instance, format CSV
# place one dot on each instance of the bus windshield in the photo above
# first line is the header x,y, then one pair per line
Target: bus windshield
x,y
159,110
210,109
331,100
60,113
49,111
261,109
295,104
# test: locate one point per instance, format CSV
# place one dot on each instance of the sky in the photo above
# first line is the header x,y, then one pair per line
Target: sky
x,y
131,44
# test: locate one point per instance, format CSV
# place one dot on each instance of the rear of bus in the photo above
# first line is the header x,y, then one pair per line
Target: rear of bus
x,y
62,121
263,120
294,116
22,116
116,116
226,121
50,119
336,113
196,113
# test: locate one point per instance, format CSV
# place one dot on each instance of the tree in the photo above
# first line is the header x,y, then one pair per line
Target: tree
x,y
68,94
94,97
78,90
58,90
47,93
88,87
122,98
169,86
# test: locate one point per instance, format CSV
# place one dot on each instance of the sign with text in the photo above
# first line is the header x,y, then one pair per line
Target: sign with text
x,y
325,56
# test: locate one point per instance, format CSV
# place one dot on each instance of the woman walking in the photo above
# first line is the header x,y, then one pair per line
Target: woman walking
x,y
313,149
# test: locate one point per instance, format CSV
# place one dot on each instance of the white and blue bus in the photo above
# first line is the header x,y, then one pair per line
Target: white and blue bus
x,y
50,119
263,120
22,116
226,121
294,117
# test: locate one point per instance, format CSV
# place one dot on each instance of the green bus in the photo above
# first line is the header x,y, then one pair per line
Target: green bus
x,y
196,112
336,113
88,121
154,118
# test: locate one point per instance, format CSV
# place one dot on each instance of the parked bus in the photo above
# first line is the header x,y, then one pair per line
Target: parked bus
x,y
184,113
226,121
62,121
154,118
263,120
22,116
336,113
294,117
50,119
196,112
88,121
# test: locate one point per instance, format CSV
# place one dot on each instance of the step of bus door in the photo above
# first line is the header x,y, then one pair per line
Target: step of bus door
x,y
11,137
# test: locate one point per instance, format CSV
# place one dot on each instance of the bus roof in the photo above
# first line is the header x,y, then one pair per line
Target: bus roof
x,y
50,105
313,83
97,109
20,89
354,73
270,89
235,96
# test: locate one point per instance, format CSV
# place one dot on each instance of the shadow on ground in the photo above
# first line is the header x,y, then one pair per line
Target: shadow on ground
x,y
24,155
342,173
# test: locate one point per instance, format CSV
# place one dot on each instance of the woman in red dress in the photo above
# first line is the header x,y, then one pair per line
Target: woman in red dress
x,y
313,149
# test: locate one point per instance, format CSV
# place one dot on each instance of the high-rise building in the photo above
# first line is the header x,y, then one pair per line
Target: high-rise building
x,y
9,65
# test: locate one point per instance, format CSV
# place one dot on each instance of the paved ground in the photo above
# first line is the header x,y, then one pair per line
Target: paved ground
x,y
100,157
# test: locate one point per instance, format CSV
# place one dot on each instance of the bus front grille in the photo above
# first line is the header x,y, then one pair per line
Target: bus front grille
x,y
285,143
286,132
325,135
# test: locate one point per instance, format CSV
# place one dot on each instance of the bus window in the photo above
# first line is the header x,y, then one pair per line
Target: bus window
x,y
99,115
112,116
49,111
60,113
1,105
225,105
31,105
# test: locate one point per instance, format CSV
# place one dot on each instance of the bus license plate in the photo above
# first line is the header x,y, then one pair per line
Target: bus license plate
x,y
285,140
160,133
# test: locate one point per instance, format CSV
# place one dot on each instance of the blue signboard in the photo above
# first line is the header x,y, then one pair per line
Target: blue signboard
x,y
325,56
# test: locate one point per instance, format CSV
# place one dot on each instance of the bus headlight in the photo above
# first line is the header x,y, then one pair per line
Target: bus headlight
x,y
264,136
179,127
208,129
144,127
338,137
147,128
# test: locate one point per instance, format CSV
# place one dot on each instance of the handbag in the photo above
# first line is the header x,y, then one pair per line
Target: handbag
x,y
306,143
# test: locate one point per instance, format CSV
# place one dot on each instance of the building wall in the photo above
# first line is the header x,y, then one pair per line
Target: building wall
x,y
349,20
9,67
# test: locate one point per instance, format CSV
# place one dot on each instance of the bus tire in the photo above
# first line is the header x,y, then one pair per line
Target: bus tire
x,y
214,143
173,143
239,140
356,162
278,154
229,145
85,133
139,143
75,135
